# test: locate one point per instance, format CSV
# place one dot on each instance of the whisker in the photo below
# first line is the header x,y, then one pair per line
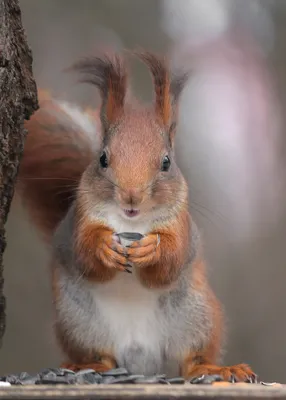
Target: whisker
x,y
113,183
219,214
202,210
47,178
202,214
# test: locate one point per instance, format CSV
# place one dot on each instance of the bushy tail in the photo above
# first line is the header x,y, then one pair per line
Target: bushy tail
x,y
60,145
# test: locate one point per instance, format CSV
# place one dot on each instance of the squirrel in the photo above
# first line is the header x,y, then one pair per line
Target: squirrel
x,y
86,176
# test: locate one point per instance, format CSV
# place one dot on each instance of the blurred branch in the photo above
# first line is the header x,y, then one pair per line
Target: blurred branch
x,y
18,101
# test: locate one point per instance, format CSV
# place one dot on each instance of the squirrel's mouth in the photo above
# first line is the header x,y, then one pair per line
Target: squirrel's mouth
x,y
131,212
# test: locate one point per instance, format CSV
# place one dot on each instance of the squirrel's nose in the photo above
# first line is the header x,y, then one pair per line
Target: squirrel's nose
x,y
132,197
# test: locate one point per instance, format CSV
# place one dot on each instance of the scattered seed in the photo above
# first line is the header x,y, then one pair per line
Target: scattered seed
x,y
177,380
53,376
85,371
115,372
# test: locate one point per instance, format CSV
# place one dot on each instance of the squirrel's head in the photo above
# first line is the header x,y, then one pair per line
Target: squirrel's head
x,y
135,168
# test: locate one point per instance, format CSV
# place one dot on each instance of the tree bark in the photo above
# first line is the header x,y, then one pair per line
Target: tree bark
x,y
18,101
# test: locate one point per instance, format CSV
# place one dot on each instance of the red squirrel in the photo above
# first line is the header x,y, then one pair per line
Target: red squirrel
x,y
87,176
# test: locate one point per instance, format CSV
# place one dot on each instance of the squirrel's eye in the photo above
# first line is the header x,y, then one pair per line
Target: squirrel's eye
x,y
165,164
103,160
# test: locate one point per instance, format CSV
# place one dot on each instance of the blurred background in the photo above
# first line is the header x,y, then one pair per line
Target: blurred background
x,y
230,146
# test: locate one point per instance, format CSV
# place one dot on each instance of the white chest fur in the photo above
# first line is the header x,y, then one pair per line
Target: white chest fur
x,y
130,312
121,224
131,315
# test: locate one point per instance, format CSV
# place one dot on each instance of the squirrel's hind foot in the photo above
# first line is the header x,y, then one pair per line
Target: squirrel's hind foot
x,y
105,364
236,373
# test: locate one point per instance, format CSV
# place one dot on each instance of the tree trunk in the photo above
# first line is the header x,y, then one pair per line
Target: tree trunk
x,y
18,101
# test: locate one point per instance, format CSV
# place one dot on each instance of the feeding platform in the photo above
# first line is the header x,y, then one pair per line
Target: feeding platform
x,y
141,391
59,383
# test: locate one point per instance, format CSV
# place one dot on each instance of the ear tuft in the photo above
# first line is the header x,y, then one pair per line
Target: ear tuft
x,y
108,73
168,88
159,72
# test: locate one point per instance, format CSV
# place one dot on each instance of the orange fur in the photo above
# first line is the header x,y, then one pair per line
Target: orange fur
x,y
166,109
98,253
200,283
240,372
204,362
52,165
114,106
104,365
161,265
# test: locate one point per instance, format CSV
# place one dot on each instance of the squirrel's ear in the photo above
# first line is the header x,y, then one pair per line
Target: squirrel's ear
x,y
168,88
108,73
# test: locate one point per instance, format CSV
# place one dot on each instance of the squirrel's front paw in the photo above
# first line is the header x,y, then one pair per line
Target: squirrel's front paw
x,y
144,252
110,252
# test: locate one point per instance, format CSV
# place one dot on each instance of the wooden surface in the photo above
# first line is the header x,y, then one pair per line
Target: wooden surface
x,y
132,392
